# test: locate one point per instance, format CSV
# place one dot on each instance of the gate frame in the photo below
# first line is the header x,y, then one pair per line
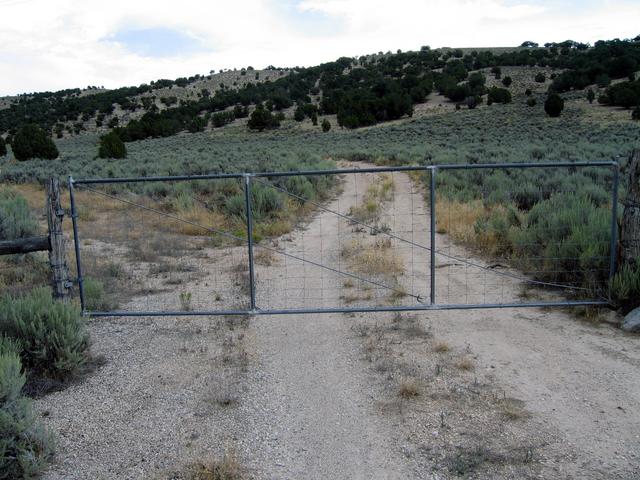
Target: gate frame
x,y
433,169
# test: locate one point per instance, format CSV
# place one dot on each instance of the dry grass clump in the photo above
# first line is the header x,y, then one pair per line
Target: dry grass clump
x,y
513,409
409,388
266,258
377,193
465,364
228,468
472,224
457,219
199,215
441,347
375,259
414,328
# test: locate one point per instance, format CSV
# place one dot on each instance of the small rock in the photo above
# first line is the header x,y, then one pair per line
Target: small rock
x,y
611,317
631,322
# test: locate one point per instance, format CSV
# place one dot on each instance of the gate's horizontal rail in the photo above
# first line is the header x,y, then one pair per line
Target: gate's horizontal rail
x,y
300,311
296,173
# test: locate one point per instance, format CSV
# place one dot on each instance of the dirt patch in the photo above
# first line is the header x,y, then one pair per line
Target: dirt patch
x,y
484,394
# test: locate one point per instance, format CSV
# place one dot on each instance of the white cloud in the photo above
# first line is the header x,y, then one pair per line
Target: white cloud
x,y
47,45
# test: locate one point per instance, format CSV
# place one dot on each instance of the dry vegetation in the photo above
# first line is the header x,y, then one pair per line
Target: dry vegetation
x,y
228,468
377,193
368,253
459,421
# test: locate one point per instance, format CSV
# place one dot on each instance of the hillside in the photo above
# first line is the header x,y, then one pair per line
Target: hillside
x,y
359,92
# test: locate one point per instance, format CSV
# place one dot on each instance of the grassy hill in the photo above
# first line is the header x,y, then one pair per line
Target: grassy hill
x,y
360,91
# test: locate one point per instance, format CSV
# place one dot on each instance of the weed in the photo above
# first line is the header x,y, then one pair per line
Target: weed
x,y
265,258
467,461
94,295
465,364
513,409
228,468
361,329
409,388
441,347
185,301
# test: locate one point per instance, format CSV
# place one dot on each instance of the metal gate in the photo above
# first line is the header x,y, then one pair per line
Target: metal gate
x,y
351,240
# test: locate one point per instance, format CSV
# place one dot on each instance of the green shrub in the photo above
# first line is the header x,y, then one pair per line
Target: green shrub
x,y
565,239
499,95
16,220
635,115
94,295
554,105
624,287
300,186
52,334
262,119
235,206
111,146
266,201
32,142
25,446
531,102
3,147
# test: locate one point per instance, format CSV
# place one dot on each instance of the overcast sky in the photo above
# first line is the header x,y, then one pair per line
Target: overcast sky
x,y
56,44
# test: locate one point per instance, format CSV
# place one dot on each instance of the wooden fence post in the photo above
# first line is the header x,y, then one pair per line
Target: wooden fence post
x,y
57,254
630,228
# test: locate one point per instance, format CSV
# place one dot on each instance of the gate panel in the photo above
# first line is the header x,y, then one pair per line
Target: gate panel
x,y
163,246
354,239
359,243
513,234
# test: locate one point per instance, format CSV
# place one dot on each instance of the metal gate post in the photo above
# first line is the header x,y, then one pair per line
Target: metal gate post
x,y
614,220
76,243
247,201
432,214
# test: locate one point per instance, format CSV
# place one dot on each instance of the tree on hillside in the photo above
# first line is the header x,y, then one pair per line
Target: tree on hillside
x,y
540,77
498,95
31,142
590,95
497,72
506,81
476,84
635,115
456,69
3,147
554,105
262,119
111,146
298,114
326,125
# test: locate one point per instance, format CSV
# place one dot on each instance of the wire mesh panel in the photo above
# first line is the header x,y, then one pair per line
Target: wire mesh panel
x,y
354,239
163,246
354,243
509,235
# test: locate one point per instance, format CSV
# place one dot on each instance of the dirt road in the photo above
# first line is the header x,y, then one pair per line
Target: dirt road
x,y
309,396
